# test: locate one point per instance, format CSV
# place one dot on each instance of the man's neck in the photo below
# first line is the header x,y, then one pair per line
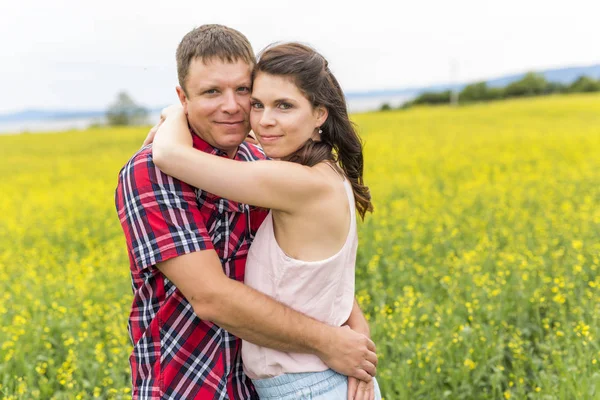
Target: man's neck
x,y
230,152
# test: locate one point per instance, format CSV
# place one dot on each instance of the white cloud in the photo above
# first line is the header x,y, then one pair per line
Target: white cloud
x,y
79,54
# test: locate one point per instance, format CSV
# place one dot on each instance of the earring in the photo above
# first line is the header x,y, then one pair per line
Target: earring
x,y
320,131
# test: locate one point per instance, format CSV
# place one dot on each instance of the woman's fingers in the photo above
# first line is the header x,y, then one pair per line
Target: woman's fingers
x,y
352,386
364,391
150,138
169,110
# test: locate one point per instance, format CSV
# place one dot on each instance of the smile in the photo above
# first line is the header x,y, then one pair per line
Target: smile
x,y
230,123
268,139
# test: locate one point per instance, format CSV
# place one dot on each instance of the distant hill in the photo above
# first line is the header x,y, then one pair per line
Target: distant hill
x,y
561,75
45,115
35,115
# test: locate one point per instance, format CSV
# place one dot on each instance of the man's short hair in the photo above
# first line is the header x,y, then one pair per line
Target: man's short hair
x,y
212,42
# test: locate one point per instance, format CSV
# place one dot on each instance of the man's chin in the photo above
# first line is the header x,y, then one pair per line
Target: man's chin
x,y
231,140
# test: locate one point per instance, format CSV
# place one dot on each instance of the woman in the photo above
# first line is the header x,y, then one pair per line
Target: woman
x,y
304,253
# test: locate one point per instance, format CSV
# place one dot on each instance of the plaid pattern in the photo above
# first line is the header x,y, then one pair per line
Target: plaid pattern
x,y
176,355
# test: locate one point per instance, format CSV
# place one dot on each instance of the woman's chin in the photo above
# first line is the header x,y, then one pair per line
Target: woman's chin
x,y
273,155
272,151
276,152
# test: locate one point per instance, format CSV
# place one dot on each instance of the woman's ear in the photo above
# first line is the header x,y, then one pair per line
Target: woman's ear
x,y
321,114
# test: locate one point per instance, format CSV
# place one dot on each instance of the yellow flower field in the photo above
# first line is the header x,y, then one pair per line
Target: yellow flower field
x,y
479,269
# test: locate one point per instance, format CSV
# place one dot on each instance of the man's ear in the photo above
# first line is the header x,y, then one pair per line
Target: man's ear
x,y
182,98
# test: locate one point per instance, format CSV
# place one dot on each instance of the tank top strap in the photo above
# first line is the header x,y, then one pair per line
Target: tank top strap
x,y
351,204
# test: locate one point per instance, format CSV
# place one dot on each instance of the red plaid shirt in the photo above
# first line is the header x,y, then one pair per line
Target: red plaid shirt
x,y
176,355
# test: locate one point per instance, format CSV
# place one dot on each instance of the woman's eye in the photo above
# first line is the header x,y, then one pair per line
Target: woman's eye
x,y
285,106
256,105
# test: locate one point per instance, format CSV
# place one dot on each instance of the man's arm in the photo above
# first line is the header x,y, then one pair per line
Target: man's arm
x,y
164,228
258,318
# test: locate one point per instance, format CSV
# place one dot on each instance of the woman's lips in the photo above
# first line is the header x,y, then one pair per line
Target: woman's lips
x,y
268,139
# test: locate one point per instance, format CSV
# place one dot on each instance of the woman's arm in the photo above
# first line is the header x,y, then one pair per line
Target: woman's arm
x,y
357,389
278,185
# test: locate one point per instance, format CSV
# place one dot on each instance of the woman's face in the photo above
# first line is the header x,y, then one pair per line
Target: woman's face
x,y
281,117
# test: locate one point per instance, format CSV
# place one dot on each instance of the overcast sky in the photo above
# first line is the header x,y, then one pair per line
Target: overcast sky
x,y
77,54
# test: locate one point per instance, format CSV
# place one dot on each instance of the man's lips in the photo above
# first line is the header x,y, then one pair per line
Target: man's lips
x,y
229,122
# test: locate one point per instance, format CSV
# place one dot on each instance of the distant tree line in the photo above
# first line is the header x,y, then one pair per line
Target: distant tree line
x,y
125,111
532,84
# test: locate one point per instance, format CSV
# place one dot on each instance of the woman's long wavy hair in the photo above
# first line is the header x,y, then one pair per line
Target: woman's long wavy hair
x,y
339,144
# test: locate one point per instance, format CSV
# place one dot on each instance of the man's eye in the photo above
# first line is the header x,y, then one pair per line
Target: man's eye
x,y
285,106
211,91
256,105
244,89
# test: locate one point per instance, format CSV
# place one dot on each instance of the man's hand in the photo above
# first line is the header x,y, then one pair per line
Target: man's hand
x,y
258,318
350,353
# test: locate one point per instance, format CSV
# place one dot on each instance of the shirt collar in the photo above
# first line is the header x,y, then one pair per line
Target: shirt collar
x,y
203,145
225,204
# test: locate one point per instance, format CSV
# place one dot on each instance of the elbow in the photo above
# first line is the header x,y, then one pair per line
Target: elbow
x,y
206,305
164,157
159,156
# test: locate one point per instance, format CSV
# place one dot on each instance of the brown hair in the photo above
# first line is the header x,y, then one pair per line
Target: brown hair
x,y
339,141
212,41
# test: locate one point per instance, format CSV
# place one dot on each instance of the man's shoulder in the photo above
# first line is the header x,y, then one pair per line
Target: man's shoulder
x,y
143,155
250,152
141,174
140,165
142,183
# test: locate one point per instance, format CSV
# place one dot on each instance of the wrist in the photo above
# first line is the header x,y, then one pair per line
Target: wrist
x,y
361,328
322,343
359,325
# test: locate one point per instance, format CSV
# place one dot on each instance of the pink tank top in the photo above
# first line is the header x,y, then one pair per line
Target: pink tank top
x,y
322,289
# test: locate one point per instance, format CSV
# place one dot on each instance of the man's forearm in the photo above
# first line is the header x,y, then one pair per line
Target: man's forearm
x,y
260,319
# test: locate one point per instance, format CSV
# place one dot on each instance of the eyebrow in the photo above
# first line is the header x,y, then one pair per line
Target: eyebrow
x,y
218,85
283,99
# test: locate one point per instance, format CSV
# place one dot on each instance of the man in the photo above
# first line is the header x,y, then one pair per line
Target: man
x,y
188,248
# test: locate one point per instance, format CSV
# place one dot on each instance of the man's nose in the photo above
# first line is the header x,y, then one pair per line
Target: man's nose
x,y
230,103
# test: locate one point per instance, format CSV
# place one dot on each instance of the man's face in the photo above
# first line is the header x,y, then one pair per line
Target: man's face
x,y
218,102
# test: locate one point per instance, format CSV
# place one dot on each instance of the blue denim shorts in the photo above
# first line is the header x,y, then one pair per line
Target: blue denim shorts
x,y
326,385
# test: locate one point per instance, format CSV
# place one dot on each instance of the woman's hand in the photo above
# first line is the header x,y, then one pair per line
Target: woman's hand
x,y
357,389
171,137
360,390
150,138
171,110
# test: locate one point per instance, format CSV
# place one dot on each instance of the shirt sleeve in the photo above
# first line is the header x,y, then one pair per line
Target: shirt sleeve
x,y
159,214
